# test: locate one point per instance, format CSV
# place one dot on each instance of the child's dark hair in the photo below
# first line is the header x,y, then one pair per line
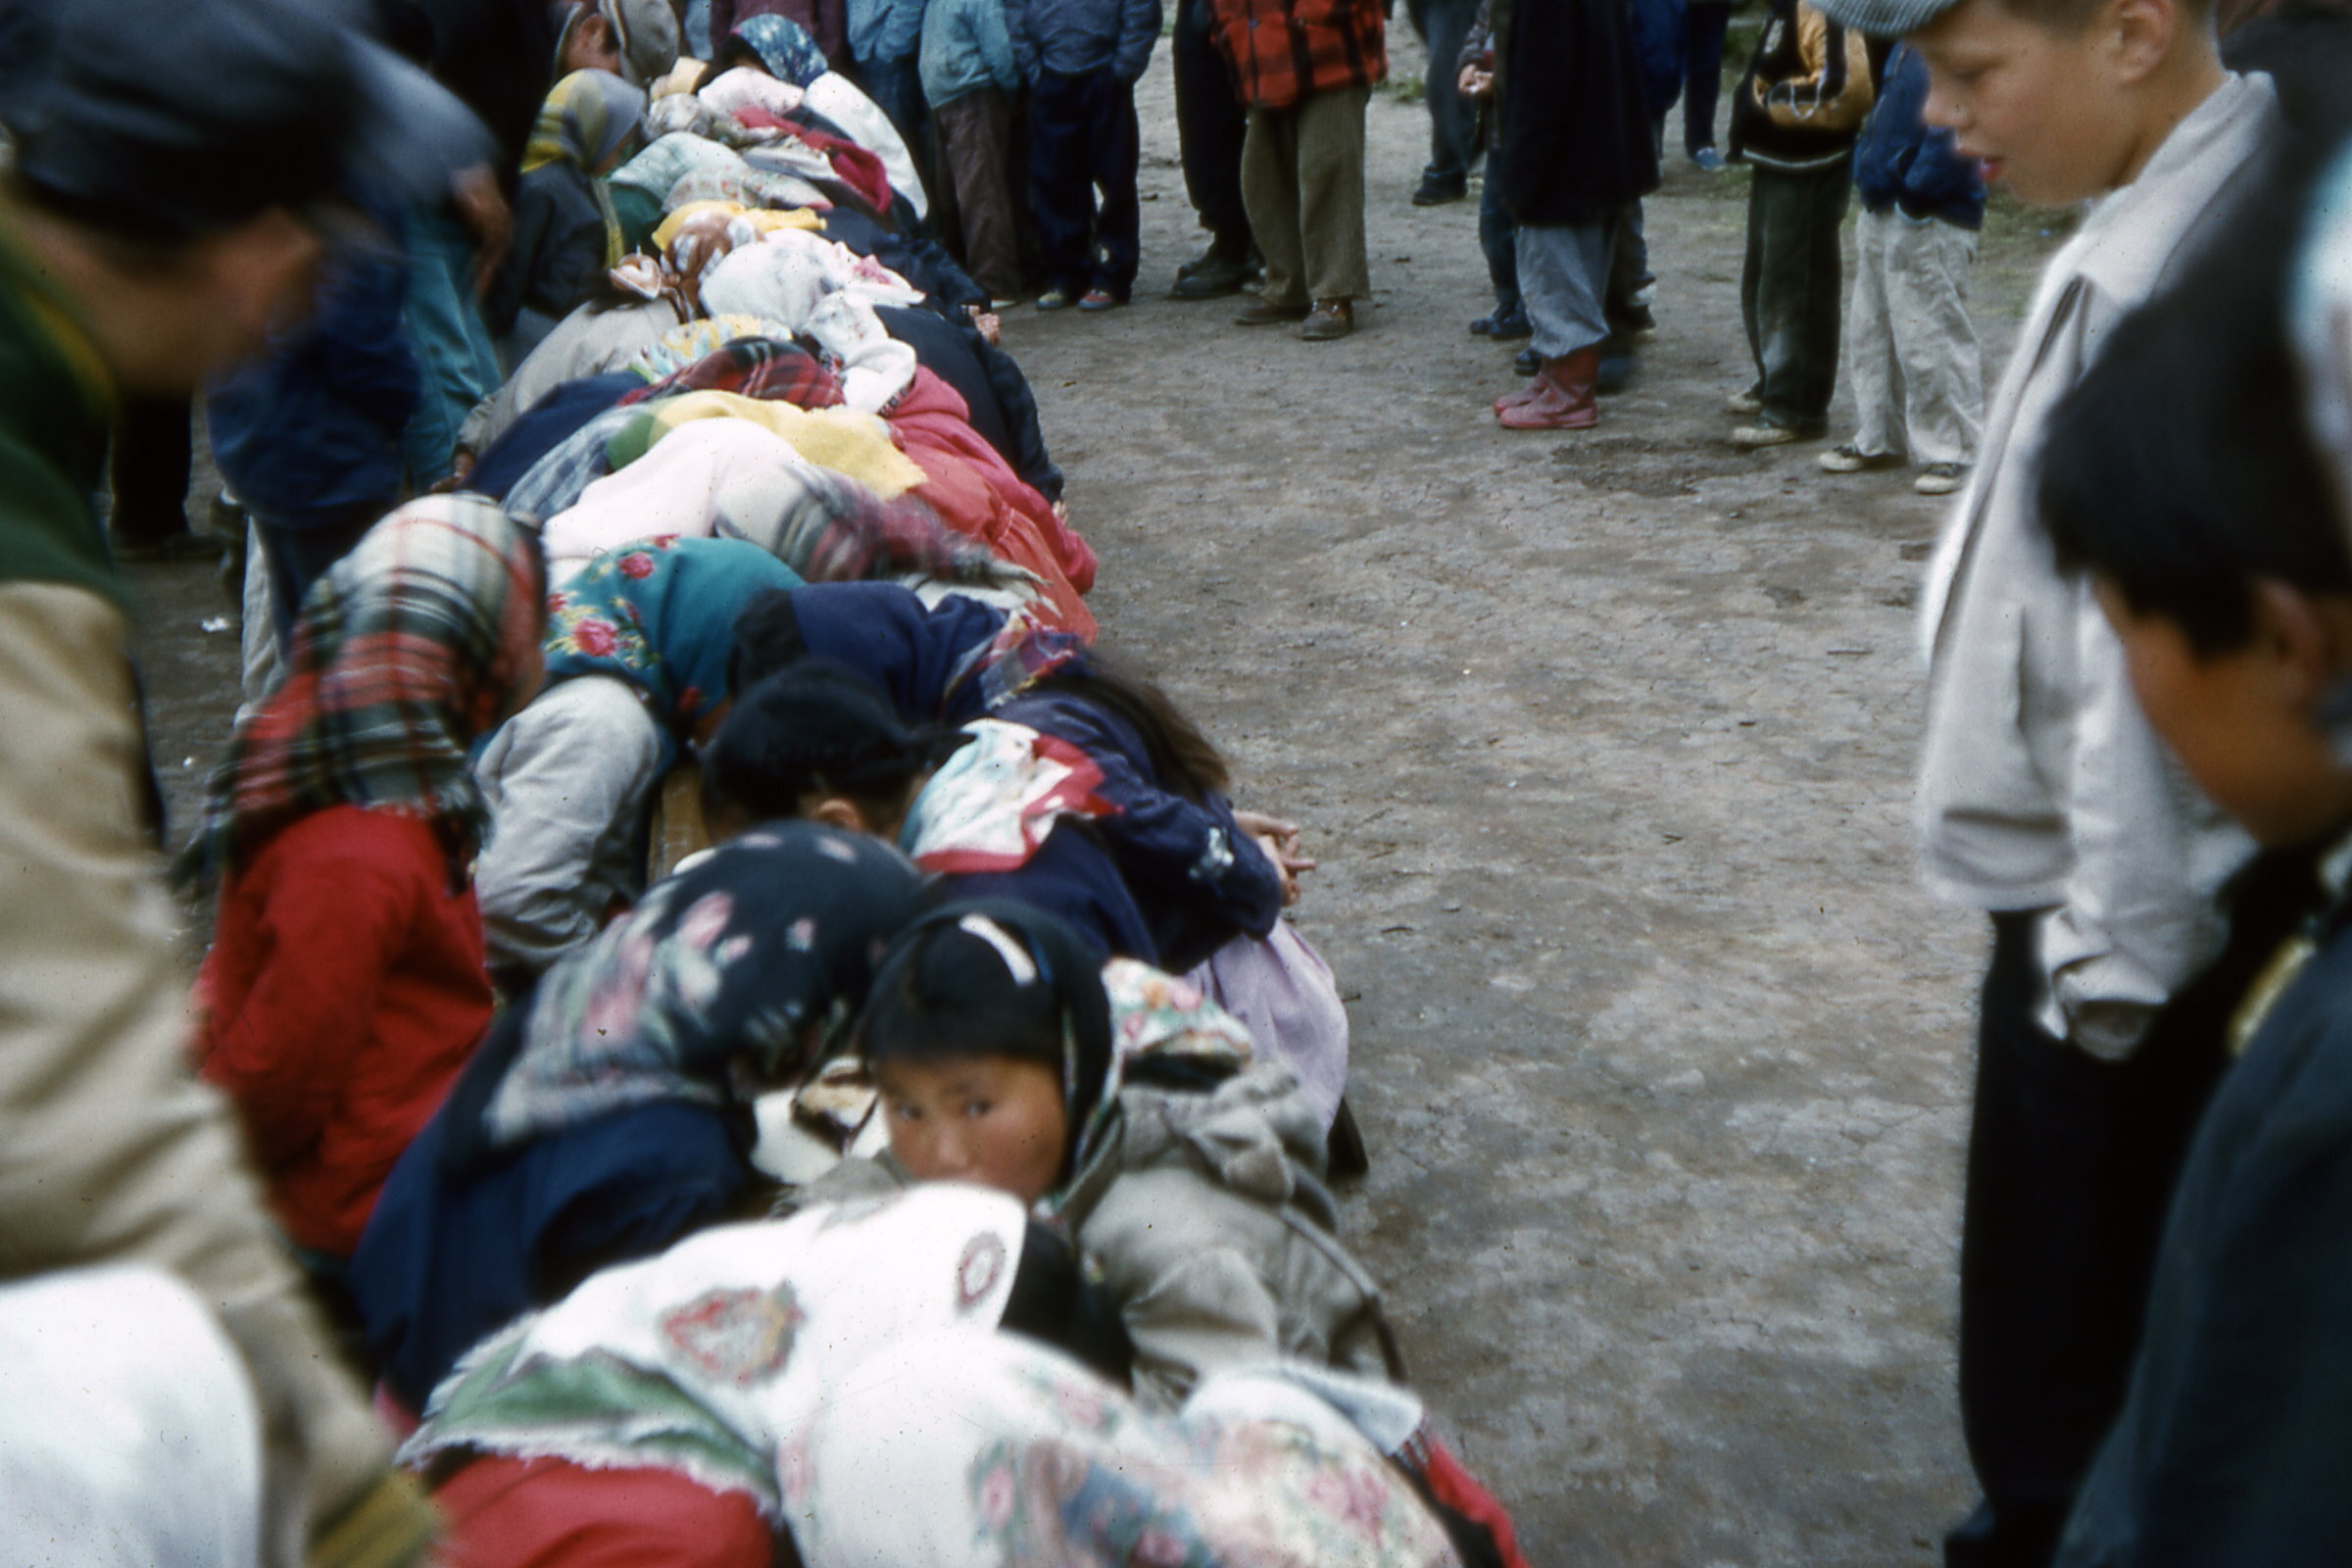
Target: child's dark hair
x,y
815,729
1187,761
2181,468
993,978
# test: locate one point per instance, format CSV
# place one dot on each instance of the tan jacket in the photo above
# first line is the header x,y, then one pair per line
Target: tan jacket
x,y
2041,786
109,1146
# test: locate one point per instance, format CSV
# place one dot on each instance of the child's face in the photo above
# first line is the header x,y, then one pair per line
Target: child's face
x,y
2245,722
992,1120
2048,112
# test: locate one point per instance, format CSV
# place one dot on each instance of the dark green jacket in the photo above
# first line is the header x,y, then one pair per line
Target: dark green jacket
x,y
55,406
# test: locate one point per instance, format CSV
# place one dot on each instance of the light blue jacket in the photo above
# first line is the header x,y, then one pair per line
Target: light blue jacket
x,y
885,29
967,47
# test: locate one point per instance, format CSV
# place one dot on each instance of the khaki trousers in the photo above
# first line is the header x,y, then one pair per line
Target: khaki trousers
x,y
1911,352
1302,181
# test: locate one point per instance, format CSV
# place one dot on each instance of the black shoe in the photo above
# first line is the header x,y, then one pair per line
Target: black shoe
x,y
1213,276
1528,363
1616,373
1633,319
1439,192
1508,323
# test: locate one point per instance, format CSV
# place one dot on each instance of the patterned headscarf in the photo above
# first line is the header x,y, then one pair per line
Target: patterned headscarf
x,y
784,46
587,118
743,955
763,368
660,616
421,640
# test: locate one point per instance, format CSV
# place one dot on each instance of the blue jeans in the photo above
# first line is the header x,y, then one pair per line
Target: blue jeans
x,y
457,359
1083,137
1452,118
1498,237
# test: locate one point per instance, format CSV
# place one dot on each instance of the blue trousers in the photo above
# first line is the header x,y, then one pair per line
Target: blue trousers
x,y
1497,236
1083,138
1452,118
1703,28
896,90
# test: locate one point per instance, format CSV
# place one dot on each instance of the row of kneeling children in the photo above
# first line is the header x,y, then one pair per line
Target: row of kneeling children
x,y
699,922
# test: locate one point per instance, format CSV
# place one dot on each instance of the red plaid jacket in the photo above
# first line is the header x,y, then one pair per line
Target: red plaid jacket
x,y
1284,50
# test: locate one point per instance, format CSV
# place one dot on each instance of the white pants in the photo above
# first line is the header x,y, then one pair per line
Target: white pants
x,y
1911,352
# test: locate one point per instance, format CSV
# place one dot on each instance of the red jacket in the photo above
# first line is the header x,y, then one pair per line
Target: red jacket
x,y
976,493
1284,50
344,990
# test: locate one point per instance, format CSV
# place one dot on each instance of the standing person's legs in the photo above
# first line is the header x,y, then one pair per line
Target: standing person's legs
x,y
1452,118
1114,152
1270,186
975,191
1059,193
1703,28
1330,176
2071,1167
1944,372
148,467
1497,236
1629,275
1210,124
1760,205
1564,277
896,90
1871,367
458,362
1798,295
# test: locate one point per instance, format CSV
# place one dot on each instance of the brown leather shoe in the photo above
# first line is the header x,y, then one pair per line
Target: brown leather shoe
x,y
1265,313
1329,319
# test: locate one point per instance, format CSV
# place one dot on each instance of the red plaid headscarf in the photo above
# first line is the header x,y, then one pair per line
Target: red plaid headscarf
x,y
418,642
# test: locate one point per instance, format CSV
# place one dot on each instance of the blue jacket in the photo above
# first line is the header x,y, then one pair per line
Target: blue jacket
x,y
312,433
967,49
1900,162
885,29
1079,38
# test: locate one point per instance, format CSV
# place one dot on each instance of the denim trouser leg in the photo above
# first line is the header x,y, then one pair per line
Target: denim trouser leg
x,y
1703,28
1792,290
1452,118
1498,237
1565,273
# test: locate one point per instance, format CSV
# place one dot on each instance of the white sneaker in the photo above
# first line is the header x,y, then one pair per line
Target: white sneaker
x,y
1748,402
1851,458
1940,478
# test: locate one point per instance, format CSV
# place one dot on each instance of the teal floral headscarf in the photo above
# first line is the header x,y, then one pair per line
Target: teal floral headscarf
x,y
784,46
660,616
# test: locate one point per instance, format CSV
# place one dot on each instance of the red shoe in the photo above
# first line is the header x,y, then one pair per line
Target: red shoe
x,y
1562,396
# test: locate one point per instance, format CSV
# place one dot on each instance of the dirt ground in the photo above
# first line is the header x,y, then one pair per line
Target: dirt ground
x,y
1604,744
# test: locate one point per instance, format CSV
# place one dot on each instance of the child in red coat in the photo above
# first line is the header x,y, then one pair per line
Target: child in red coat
x,y
346,986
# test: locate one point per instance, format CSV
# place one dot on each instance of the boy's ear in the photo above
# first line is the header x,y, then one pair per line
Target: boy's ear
x,y
2142,33
2309,638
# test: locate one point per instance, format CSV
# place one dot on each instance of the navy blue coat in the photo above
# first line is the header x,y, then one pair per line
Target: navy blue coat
x,y
449,1257
1902,162
311,434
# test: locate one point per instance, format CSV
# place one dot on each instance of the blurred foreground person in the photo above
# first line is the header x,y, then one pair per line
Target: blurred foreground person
x,y
153,228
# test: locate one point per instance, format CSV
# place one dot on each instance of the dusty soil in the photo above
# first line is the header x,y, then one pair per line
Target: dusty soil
x,y
1604,744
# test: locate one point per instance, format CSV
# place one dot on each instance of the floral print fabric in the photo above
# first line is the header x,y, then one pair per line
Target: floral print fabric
x,y
994,1454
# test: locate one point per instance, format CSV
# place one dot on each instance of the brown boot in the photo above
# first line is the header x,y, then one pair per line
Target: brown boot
x,y
1265,313
1564,396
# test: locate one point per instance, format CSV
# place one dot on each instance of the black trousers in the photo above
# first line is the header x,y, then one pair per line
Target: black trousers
x,y
1793,290
2071,1167
1704,28
1210,124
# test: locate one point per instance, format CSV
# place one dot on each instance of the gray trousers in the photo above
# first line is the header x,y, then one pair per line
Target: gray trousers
x,y
1564,281
1911,352
1303,180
